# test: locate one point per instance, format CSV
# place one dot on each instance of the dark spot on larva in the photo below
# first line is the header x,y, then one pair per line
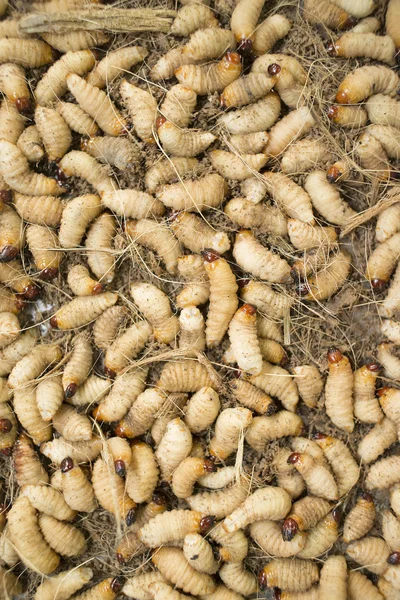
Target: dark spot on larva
x,y
130,517
120,468
194,557
383,390
5,425
48,274
24,105
109,372
67,464
70,390
294,458
210,255
159,498
206,523
98,289
53,322
378,285
8,253
262,580
274,69
337,514
289,529
334,355
117,584
394,558
374,367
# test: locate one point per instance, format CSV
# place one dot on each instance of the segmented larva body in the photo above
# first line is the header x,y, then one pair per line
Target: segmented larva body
x,y
109,490
277,382
196,234
178,106
244,20
388,359
217,479
340,377
377,440
72,41
166,66
172,563
260,216
32,366
365,81
257,117
292,575
220,503
289,89
155,306
81,283
126,347
108,589
322,537
163,591
304,236
119,152
247,89
305,514
202,194
187,473
229,427
383,110
266,503
97,104
71,425
387,223
390,303
183,142
392,15
99,243
366,406
249,143
341,461
165,171
80,164
171,526
290,197
303,155
318,479
326,199
48,501
383,473
359,586
120,452
142,473
76,488
238,578
28,468
268,536
132,203
49,396
30,143
54,131
82,310
340,170
389,138
265,429
123,394
9,425
43,244
256,259
388,399
243,337
174,446
90,392
64,584
76,216
158,238
81,452
139,585
369,45
390,529
185,376
251,397
25,535
329,280
14,86
237,167
13,275
373,157
114,64
10,328
391,330
208,79
197,290
192,17
333,579
192,338
107,326
11,354
233,547
273,29
295,125
309,383
142,108
370,552
209,43
286,475
199,554
12,123
76,119
63,538
142,412
383,261
348,117
202,409
29,53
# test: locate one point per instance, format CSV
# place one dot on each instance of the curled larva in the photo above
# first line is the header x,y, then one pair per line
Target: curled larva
x,y
172,525
12,123
391,21
246,90
209,43
43,244
251,397
133,203
187,473
97,104
81,283
49,501
229,427
359,587
340,170
318,479
333,579
172,563
264,429
268,536
383,110
262,64
208,79
76,119
257,117
25,535
80,164
365,81
142,108
366,406
109,490
126,347
115,63
13,275
329,279
258,260
156,308
304,236
239,579
64,584
197,289
119,152
82,452
173,448
309,383
253,189
369,45
383,261
327,13
263,217
108,589
290,91
142,473
291,198
182,142
349,117
273,29
266,503
192,17
389,360
29,53
196,234
31,145
305,515
140,413
73,426
373,157
138,585
292,575
295,125
199,553
185,376
54,131
272,303
233,547
367,25
11,234
220,503
341,461
277,382
360,519
32,366
217,479
11,354
179,105
377,440
13,85
244,20
322,537
76,217
387,223
244,342
248,143
202,409
82,310
339,404
28,468
370,552
63,538
166,66
107,325
202,194
158,238
168,169
192,338
99,245
303,155
76,488
14,168
236,166
326,199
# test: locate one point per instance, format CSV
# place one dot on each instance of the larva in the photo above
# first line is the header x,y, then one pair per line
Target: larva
x,y
171,526
90,392
366,406
377,440
387,223
388,399
273,29
82,452
76,119
173,448
202,194
80,164
277,382
348,117
118,152
217,479
182,142
82,310
243,337
236,167
13,274
63,538
233,547
108,589
120,452
373,157
365,81
73,426
163,591
392,14
286,475
341,461
229,427
305,514
209,79
32,366
291,92
389,360
138,586
290,197
386,588
192,331
172,563
237,578
264,429
14,86
224,593
53,84
322,537
132,203
54,131
81,283
327,13
333,579
122,395
64,584
199,554
263,217
370,552
49,501
178,106
142,412
367,25
266,503
209,43
12,123
383,110
256,259
326,199
10,328
341,377
142,473
96,103
351,45
262,64
99,243
11,354
126,347
389,138
165,171
220,503
158,238
72,41
4,391
184,225
293,575
14,168
244,20
330,279
28,468
202,409
251,397
109,490
318,479
155,306
76,216
166,66
295,125
358,9
192,17
197,290
390,304
383,261
391,330
383,473
185,376
340,170
187,473
246,90
359,586
8,428
25,535
30,143
249,143
268,536
76,488
303,155
142,108
28,53
309,383
390,530
253,118
107,325
43,244
114,64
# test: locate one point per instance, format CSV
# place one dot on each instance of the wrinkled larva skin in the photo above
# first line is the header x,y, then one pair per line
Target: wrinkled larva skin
x,y
341,461
392,16
197,235
268,536
76,217
277,382
229,427
63,538
143,407
64,584
348,117
309,383
390,529
208,79
30,143
194,196
192,17
110,492
174,566
118,152
187,473
163,591
72,425
365,81
76,488
259,216
138,585
40,210
80,164
247,89
318,479
49,501
185,143
383,110
202,409
81,283
293,200
121,396
326,199
100,242
303,155
286,475
76,119
43,244
199,553
14,86
322,537
223,298
369,45
54,131
377,440
366,406
11,354
82,452
158,238
142,473
293,575
251,397
256,117
265,429
359,586
49,396
10,328
12,123
167,170
258,260
28,468
173,448
127,346
209,43
82,310
327,13
296,124
273,29
244,342
339,391
33,365
142,108
266,503
115,63
170,526
8,438
333,579
108,589
383,474
155,306
371,552
238,578
244,19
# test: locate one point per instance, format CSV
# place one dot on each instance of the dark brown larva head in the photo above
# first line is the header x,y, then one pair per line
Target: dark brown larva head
x,y
24,105
31,291
383,390
206,523
378,285
120,430
294,458
349,23
117,584
284,360
332,112
209,466
131,517
8,253
67,464
249,309
109,372
271,410
277,594
19,301
331,49
337,514
394,558
120,558
53,322
233,58
342,98
289,529
6,451
365,496
159,498
245,46
262,580
242,283
48,274
302,286
333,174
98,289
6,196
70,390
319,436
60,176
120,468
210,255
374,367
274,69
160,121
5,425
334,356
